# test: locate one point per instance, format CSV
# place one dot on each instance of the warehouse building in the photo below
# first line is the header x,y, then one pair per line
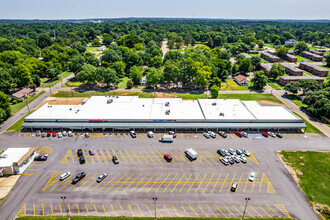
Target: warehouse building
x,y
15,160
115,113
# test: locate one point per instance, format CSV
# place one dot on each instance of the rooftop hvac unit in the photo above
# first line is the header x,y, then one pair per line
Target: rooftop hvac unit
x,y
222,114
214,103
167,103
167,112
109,101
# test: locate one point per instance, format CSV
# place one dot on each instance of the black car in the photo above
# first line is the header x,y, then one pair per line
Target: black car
x,y
42,157
79,177
221,153
115,160
82,160
79,152
222,134
37,158
278,134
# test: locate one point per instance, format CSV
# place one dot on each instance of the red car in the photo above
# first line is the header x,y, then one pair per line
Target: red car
x,y
54,133
48,134
265,134
167,157
239,134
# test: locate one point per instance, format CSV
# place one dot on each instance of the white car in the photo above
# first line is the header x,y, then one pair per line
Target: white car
x,y
272,134
206,135
101,177
87,135
246,152
64,176
212,134
70,133
65,133
252,176
243,159
59,135
150,134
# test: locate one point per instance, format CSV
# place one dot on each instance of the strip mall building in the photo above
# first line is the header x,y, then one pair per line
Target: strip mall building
x,y
115,113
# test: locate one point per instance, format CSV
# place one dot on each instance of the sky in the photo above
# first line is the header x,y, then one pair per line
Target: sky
x,y
231,9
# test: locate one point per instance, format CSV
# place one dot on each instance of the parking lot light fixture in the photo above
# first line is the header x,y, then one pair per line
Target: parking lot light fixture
x,y
247,200
155,200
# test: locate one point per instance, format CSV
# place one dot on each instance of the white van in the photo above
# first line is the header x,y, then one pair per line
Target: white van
x,y
166,138
191,154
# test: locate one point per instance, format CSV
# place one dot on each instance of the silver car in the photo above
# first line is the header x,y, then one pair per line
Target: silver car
x,y
38,133
206,135
212,134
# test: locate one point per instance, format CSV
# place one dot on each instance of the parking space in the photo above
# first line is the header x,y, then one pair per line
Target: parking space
x,y
147,210
206,183
148,157
158,135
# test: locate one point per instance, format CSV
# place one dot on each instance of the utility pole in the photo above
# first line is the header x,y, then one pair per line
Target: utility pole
x,y
50,90
155,200
27,104
247,200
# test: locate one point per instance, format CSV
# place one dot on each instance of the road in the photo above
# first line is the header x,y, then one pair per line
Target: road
x,y
10,121
183,188
165,48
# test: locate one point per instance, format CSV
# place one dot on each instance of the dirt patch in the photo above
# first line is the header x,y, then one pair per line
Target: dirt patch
x,y
6,184
268,102
318,207
61,101
290,169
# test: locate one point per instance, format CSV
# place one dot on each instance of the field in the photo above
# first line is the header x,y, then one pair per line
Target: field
x,y
310,127
17,107
312,170
296,100
18,125
232,85
251,97
45,81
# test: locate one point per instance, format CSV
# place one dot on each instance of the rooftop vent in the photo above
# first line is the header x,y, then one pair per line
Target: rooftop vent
x,y
70,109
167,103
214,103
222,114
167,112
109,101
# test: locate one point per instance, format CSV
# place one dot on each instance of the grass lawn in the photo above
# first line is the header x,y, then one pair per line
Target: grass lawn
x,y
300,58
296,100
306,73
44,81
124,218
251,97
310,127
93,49
269,45
275,85
17,107
18,125
312,170
122,84
72,83
233,85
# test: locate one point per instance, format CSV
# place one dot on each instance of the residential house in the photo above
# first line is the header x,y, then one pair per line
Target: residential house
x,y
22,93
290,42
143,81
101,48
241,80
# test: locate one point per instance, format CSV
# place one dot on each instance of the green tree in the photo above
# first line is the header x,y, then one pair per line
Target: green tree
x,y
301,46
107,39
292,87
276,70
24,76
129,84
6,80
214,91
36,80
309,85
131,59
88,74
156,62
108,76
44,40
136,73
245,66
202,75
96,43
171,72
256,62
76,63
259,80
327,59
5,109
282,51
154,76
260,43
119,66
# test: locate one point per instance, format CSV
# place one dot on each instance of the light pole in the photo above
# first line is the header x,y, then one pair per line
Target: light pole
x,y
247,200
50,90
155,200
27,104
67,210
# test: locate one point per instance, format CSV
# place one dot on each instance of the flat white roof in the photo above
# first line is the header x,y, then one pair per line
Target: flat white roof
x,y
12,155
134,108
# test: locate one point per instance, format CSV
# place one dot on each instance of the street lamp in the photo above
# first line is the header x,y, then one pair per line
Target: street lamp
x,y
247,200
67,210
155,200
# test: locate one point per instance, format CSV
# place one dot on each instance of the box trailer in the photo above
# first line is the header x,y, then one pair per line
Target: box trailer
x,y
166,138
191,154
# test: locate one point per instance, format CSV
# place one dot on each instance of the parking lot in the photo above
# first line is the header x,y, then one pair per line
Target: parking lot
x,y
198,188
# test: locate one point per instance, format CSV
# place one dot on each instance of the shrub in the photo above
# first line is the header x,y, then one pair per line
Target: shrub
x,y
129,84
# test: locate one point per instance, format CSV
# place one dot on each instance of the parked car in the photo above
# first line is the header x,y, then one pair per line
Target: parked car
x,y
48,134
167,157
133,134
243,159
221,153
206,135
43,134
230,160
41,157
54,133
234,187
224,161
79,152
82,159
244,134
271,134
212,134
59,134
239,152
239,134
265,134
101,177
63,176
278,134
226,152
79,177
70,133
172,133
115,159
150,134
65,134
236,159
222,134
91,152
252,176
38,133
246,152
231,151
87,135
